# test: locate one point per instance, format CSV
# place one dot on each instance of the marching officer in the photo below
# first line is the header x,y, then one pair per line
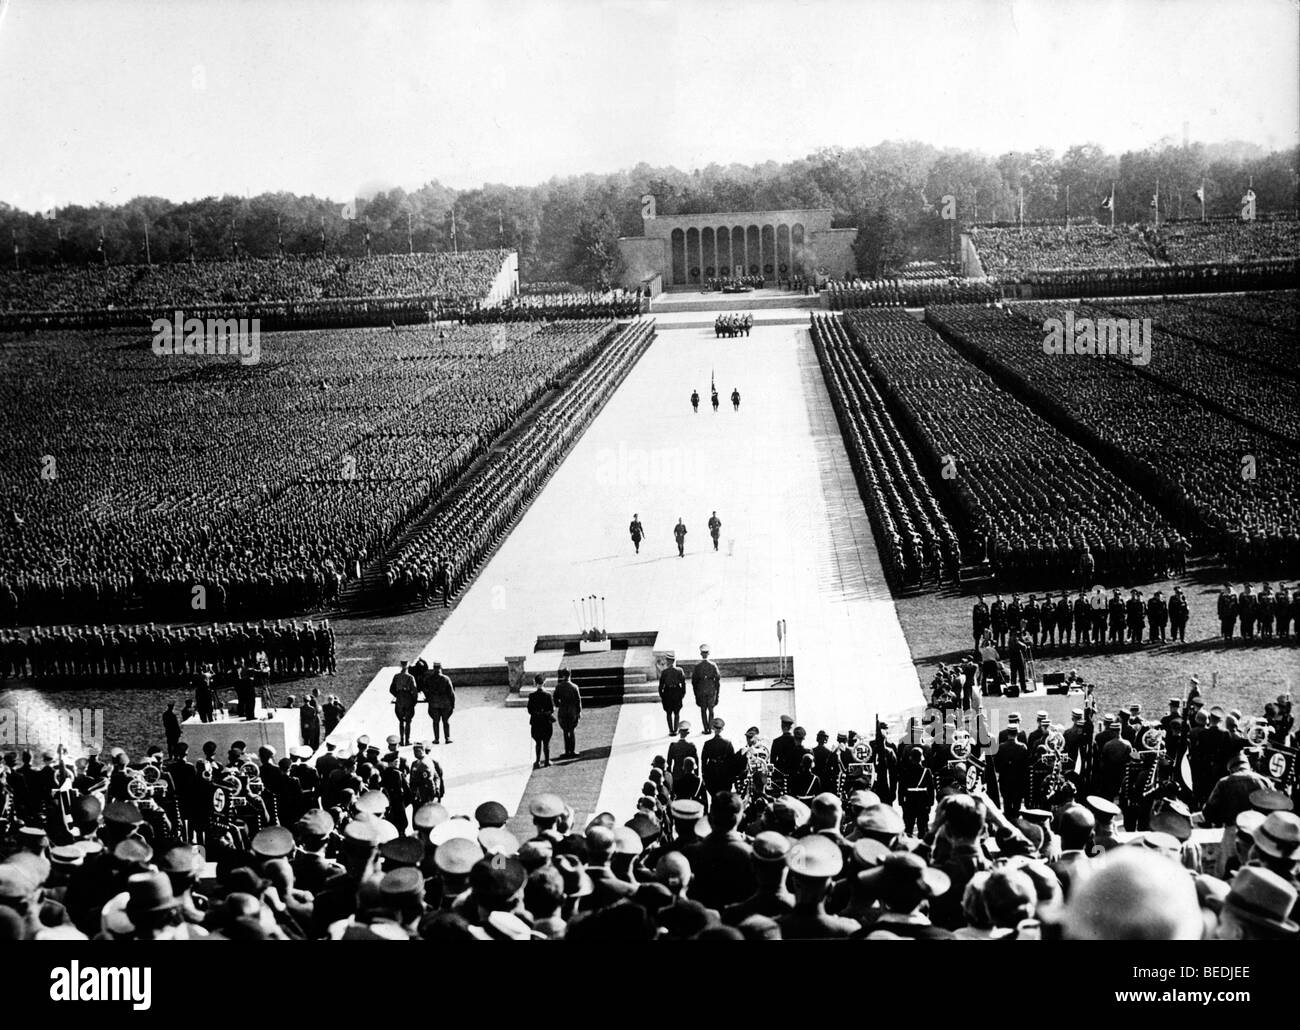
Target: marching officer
x,y
695,401
735,399
679,531
715,527
636,531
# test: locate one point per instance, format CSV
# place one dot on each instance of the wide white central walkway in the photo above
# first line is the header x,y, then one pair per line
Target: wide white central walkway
x,y
795,543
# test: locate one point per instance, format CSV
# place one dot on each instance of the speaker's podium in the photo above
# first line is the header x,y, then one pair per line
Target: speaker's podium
x,y
279,728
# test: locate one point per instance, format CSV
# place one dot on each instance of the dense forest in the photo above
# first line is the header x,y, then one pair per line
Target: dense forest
x,y
565,229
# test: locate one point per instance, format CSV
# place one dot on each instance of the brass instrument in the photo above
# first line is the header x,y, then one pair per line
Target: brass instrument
x,y
962,745
1047,776
145,784
1153,739
757,773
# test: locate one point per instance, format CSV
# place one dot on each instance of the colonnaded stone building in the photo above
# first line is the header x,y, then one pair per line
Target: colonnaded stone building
x,y
689,250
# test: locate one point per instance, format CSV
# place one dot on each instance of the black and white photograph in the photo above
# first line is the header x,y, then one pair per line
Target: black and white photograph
x,y
593,470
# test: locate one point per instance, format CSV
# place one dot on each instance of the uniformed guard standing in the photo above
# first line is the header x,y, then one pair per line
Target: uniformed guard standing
x,y
541,723
405,695
568,709
707,683
636,531
718,761
672,691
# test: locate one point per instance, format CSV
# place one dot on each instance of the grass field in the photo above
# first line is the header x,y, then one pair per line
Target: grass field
x,y
938,630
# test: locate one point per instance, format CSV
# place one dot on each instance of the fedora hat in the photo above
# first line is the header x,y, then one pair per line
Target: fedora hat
x,y
1262,897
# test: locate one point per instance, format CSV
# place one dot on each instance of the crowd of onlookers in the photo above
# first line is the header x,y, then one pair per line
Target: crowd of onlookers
x,y
1116,827
454,278
170,488
916,542
1232,480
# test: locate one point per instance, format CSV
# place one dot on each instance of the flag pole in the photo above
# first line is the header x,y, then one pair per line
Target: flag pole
x,y
1112,203
410,248
1067,208
148,257
1202,198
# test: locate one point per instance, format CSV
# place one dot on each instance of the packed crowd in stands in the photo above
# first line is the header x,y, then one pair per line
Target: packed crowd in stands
x,y
915,541
454,278
1011,252
732,325
1116,827
1188,243
1032,512
243,508
1239,484
468,522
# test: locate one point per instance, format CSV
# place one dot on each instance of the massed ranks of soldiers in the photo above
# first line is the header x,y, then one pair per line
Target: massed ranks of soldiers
x,y
280,649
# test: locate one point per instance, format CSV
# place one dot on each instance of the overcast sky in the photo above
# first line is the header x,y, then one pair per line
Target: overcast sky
x,y
101,100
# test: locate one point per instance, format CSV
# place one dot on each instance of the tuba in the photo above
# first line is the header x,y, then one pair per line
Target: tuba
x,y
1153,739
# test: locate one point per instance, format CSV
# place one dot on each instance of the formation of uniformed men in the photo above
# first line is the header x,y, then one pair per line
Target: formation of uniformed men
x,y
1262,614
919,544
281,649
732,325
422,583
1090,620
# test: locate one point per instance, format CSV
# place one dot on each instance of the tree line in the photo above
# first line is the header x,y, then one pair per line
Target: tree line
x,y
566,229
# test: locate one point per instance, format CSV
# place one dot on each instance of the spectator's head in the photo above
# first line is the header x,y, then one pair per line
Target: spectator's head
x,y
1133,894
725,812
544,892
1076,827
1258,907
962,818
903,882
674,872
600,845
827,812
